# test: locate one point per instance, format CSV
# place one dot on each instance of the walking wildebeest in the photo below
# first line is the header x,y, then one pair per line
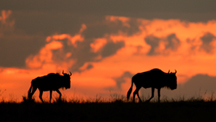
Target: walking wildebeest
x,y
154,78
50,82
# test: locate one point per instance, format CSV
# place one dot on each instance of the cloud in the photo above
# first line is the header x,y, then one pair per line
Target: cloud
x,y
108,59
6,23
72,52
98,44
15,45
198,10
45,55
207,44
111,48
121,81
162,46
199,83
57,51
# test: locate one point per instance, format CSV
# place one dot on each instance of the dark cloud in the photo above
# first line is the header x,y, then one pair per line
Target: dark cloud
x,y
15,49
111,48
200,83
172,43
82,53
98,28
153,42
195,87
27,36
120,80
191,10
206,40
89,66
51,22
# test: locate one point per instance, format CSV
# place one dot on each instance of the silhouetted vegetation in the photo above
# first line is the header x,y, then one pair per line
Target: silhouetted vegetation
x,y
117,108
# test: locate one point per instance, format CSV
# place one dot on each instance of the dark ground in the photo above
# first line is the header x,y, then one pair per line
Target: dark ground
x,y
196,111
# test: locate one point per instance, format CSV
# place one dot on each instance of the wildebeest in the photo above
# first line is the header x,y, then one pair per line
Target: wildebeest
x,y
154,78
50,82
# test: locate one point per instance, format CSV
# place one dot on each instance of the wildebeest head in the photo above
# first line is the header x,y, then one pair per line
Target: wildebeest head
x,y
172,80
66,79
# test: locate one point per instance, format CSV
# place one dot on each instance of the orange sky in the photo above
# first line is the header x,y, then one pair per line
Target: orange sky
x,y
179,47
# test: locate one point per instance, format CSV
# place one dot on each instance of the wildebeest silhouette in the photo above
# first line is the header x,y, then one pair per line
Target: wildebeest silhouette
x,y
154,78
50,82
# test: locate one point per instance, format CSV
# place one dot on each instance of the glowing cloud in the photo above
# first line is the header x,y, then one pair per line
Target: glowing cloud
x,y
98,44
108,62
6,24
45,55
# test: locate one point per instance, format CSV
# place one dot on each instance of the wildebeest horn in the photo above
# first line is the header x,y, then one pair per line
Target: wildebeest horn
x,y
175,71
70,73
63,72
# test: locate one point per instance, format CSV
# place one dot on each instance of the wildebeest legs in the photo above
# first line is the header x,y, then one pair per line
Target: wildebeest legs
x,y
40,96
158,94
151,96
50,95
136,92
59,94
32,92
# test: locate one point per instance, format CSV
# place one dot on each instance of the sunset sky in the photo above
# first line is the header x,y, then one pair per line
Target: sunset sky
x,y
104,43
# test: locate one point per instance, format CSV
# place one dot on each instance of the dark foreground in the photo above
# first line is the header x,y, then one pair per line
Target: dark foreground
x,y
109,112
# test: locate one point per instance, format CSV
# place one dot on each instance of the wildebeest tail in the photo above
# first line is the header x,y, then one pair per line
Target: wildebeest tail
x,y
129,91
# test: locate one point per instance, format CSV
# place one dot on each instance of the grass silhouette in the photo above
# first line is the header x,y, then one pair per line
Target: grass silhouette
x,y
115,98
117,108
